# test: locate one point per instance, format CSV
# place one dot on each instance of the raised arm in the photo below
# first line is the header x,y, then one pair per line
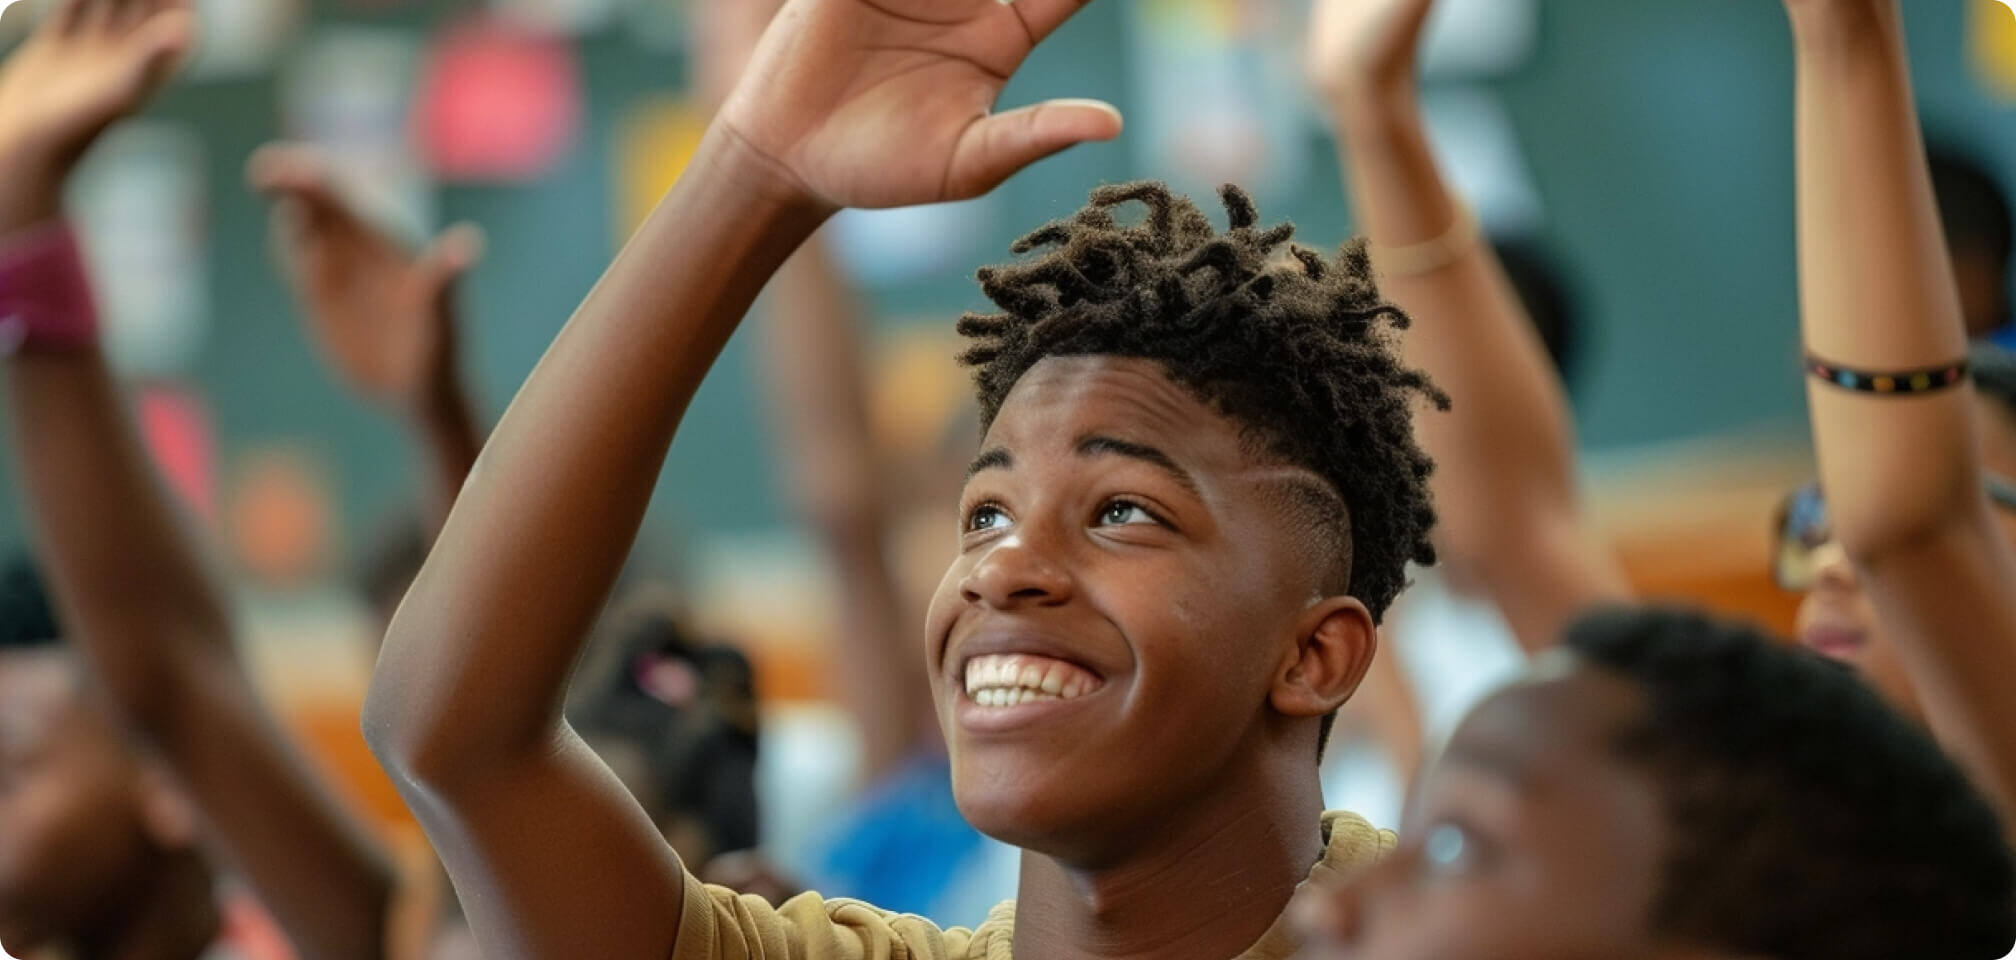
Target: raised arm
x,y
128,578
1902,472
861,103
384,317
1511,522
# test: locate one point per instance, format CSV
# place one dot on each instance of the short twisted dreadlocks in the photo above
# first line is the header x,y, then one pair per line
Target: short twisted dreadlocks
x,y
1300,352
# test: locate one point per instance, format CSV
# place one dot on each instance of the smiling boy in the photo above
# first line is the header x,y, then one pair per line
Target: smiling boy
x,y
1197,492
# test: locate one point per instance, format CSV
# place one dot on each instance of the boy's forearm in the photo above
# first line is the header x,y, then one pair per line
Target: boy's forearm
x,y
475,666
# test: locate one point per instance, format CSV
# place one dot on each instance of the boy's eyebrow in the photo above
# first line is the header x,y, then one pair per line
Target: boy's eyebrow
x,y
1100,445
995,458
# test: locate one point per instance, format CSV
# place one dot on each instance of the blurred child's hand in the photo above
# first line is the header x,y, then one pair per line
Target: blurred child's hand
x,y
1364,46
887,103
383,316
89,63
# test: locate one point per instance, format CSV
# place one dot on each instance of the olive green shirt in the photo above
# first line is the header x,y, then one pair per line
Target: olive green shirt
x,y
720,924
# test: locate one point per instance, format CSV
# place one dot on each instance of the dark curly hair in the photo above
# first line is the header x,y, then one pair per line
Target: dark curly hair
x,y
1807,819
1299,350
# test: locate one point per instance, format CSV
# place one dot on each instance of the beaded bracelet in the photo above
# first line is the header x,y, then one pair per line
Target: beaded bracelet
x,y
1929,380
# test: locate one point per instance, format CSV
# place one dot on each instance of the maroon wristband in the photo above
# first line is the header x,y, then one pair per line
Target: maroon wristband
x,y
45,294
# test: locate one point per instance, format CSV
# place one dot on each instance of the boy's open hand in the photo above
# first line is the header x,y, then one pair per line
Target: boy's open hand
x,y
383,315
1364,42
89,63
886,103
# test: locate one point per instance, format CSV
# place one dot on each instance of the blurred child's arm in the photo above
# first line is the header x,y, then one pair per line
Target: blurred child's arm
x,y
867,104
819,384
815,374
1902,473
129,583
384,318
1510,519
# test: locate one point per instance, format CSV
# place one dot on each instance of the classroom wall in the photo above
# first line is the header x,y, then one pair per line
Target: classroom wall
x,y
1658,131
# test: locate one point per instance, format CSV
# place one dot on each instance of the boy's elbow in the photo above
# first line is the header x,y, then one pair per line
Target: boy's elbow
x,y
408,743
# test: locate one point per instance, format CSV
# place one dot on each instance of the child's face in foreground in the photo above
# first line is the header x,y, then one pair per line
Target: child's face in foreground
x,y
70,829
1526,840
1113,637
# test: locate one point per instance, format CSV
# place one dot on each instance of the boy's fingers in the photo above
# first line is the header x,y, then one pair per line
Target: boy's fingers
x,y
993,149
166,38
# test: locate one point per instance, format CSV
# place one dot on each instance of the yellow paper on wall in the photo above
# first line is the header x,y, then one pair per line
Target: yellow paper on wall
x,y
656,139
1992,46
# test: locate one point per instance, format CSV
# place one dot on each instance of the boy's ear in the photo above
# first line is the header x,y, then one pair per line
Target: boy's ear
x,y
1335,641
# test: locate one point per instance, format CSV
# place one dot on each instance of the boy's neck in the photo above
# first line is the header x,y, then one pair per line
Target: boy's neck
x,y
172,915
1210,884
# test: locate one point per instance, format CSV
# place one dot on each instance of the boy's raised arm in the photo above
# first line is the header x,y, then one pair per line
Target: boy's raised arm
x,y
851,102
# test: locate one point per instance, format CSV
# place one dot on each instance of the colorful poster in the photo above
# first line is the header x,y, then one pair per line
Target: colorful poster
x,y
139,199
1478,148
1992,46
243,37
1223,99
499,103
349,92
1477,38
883,248
654,141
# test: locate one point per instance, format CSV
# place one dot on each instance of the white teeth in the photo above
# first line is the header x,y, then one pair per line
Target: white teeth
x,y
1005,680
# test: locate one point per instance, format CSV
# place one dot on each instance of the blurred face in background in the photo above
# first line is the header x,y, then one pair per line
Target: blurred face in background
x,y
1836,618
83,824
1527,839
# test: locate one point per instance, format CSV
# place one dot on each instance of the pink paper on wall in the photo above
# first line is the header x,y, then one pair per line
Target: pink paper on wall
x,y
498,104
175,423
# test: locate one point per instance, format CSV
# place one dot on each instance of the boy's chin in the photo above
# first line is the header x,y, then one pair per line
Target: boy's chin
x,y
1038,812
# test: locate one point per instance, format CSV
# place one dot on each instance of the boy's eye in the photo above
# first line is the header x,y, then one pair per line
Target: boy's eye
x,y
1121,513
985,517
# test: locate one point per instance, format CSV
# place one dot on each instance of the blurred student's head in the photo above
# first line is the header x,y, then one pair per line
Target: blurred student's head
x,y
1673,787
1976,214
1546,291
87,826
1197,492
676,719
1835,616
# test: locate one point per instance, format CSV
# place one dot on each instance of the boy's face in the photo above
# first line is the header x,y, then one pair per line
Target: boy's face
x,y
1526,840
71,833
1125,557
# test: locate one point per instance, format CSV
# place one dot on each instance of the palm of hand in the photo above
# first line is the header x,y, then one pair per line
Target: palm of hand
x,y
81,70
374,310
880,103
